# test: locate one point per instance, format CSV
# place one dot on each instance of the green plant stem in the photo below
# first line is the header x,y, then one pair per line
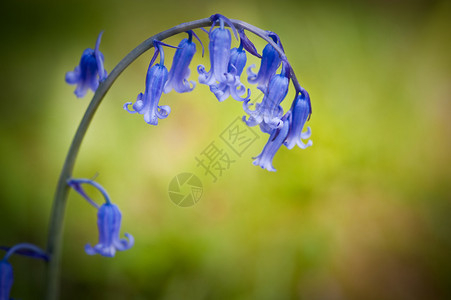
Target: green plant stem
x,y
55,234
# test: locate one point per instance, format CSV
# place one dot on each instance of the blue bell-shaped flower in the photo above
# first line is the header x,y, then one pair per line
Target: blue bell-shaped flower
x,y
6,279
268,113
109,225
179,73
89,72
219,47
299,113
232,86
108,222
147,104
269,64
276,139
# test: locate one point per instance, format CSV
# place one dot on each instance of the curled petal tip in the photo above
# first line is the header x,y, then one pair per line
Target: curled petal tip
x,y
125,244
131,240
90,250
126,105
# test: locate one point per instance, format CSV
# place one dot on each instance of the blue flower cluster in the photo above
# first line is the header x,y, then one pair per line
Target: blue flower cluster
x,y
283,129
224,80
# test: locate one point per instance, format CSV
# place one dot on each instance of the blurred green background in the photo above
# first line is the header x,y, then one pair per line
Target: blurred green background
x,y
363,214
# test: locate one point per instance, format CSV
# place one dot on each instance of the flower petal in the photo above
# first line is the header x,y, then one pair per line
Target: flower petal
x,y
123,244
177,78
269,64
6,279
275,141
300,110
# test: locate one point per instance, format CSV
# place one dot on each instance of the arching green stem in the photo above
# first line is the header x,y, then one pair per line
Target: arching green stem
x,y
55,235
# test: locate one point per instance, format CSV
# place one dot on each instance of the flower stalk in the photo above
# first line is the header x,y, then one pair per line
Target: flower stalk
x,y
54,243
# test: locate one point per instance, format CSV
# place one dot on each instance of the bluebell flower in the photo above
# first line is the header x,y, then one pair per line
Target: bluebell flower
x,y
147,104
226,65
219,46
108,223
269,64
268,113
276,139
237,61
232,86
180,71
6,270
6,279
89,72
299,113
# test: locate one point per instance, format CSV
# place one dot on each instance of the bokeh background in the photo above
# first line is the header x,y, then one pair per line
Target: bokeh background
x,y
363,214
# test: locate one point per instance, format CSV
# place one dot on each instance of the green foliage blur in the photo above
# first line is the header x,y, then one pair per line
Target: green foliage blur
x,y
363,214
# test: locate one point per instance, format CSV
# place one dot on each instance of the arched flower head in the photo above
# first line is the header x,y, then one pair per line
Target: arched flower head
x,y
147,104
268,113
180,71
269,64
276,139
299,113
108,222
6,270
89,72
